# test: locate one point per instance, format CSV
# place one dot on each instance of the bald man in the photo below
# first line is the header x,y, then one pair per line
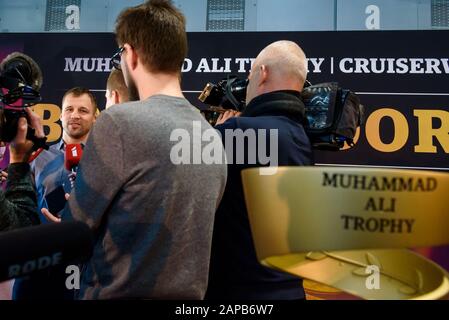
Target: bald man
x,y
273,106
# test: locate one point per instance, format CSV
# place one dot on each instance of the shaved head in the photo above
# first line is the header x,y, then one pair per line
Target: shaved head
x,y
282,65
286,58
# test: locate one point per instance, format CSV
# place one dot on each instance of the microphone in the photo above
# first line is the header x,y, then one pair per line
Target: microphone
x,y
20,81
73,153
20,68
31,249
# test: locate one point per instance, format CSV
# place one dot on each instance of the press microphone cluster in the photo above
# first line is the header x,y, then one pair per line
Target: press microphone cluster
x,y
20,82
28,250
18,69
73,154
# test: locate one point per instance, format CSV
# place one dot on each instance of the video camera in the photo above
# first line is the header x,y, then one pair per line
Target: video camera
x,y
332,114
20,81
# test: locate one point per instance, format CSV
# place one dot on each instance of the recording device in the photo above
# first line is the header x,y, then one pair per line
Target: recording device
x,y
20,82
56,200
332,114
28,250
229,93
72,157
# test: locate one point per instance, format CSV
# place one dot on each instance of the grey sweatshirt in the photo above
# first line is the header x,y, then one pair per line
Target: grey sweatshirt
x,y
152,219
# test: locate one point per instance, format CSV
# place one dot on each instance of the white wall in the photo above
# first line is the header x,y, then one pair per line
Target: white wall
x,y
260,15
295,15
394,15
22,16
195,12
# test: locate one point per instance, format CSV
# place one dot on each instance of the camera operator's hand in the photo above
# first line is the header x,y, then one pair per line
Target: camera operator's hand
x,y
21,148
227,115
3,176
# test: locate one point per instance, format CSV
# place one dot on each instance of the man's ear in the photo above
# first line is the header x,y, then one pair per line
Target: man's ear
x,y
115,96
130,56
263,78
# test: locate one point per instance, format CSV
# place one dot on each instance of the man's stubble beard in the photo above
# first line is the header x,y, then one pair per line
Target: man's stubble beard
x,y
76,134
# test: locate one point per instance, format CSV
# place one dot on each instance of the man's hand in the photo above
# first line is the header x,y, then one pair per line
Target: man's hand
x,y
227,115
21,148
3,176
51,217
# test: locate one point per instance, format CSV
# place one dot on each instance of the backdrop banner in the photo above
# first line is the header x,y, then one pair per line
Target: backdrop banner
x,y
401,78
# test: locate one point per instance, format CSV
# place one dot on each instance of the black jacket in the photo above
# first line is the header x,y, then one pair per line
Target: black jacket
x,y
235,272
18,204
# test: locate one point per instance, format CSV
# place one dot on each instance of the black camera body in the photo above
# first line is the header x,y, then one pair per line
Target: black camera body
x,y
332,114
229,93
20,80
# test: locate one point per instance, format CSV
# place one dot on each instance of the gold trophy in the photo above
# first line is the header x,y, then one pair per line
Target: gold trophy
x,y
349,228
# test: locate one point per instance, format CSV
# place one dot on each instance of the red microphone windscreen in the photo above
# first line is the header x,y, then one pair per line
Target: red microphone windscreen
x,y
73,153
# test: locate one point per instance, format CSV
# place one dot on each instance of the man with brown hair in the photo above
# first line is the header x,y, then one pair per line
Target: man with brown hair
x,y
152,218
116,90
78,114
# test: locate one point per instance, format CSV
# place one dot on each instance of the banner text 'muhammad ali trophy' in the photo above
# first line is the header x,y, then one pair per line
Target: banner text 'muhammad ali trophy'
x,y
334,225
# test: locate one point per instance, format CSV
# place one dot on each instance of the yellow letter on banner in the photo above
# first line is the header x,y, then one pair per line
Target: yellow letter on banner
x,y
51,122
426,132
372,129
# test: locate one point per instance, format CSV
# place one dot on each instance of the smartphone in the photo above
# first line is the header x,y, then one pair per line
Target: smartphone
x,y
56,200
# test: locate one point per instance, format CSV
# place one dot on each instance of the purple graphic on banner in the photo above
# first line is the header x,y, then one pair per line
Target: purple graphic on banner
x,y
6,49
4,161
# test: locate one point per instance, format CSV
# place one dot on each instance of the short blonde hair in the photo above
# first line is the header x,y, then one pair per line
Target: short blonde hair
x,y
116,82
